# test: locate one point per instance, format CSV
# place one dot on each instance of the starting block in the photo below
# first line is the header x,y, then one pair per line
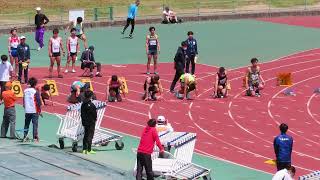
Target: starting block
x,y
17,89
284,79
124,87
289,92
317,90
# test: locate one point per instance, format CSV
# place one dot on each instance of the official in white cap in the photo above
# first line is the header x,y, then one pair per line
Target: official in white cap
x,y
163,125
23,52
40,20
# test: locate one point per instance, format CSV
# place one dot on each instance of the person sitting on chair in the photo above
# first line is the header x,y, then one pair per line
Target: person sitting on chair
x,y
169,16
113,89
220,87
88,61
152,86
188,83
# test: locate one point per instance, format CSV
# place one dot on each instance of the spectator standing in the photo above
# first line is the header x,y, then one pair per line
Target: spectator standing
x,y
145,149
32,107
283,148
23,59
6,70
192,52
40,20
179,64
88,118
9,114
132,13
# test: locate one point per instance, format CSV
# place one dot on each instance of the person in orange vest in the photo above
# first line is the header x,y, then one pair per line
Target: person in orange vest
x,y
9,115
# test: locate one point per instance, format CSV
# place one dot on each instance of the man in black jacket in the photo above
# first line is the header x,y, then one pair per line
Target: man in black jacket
x,y
179,64
192,52
23,51
88,61
89,118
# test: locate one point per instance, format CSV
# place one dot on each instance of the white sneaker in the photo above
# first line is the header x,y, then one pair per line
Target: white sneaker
x,y
73,71
39,48
66,71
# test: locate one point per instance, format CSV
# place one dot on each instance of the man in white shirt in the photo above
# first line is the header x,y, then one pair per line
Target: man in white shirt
x,y
285,174
169,16
6,70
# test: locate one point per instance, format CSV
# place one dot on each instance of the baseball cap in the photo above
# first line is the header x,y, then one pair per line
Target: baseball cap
x,y
161,119
22,37
38,8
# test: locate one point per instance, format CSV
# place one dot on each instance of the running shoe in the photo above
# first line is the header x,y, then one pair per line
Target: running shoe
x,y
73,71
60,76
92,152
66,71
84,152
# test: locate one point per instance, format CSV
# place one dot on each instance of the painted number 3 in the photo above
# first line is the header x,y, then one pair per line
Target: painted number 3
x,y
52,88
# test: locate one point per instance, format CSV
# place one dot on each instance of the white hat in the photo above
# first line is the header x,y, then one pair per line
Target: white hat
x,y
161,119
38,8
22,37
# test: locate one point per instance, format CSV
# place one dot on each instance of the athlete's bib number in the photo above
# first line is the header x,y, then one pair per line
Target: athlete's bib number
x,y
87,81
17,89
55,47
53,87
152,42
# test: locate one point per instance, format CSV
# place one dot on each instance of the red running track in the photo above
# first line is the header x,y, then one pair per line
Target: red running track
x,y
238,129
304,21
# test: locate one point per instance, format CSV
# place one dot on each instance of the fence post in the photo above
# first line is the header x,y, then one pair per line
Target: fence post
x,y
111,13
305,4
95,14
61,15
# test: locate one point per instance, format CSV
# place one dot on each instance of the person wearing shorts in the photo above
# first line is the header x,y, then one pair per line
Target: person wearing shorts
x,y
44,90
221,89
13,42
152,49
78,25
55,47
152,86
73,48
113,89
187,84
133,10
254,80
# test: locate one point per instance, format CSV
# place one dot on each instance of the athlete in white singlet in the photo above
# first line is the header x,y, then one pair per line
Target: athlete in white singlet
x,y
54,48
13,42
73,48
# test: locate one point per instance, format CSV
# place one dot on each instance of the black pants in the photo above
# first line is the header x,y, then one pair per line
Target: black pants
x,y
25,73
88,136
179,72
91,66
282,165
129,21
144,161
190,59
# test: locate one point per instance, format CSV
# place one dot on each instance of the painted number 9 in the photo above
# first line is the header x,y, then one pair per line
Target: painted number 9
x,y
16,89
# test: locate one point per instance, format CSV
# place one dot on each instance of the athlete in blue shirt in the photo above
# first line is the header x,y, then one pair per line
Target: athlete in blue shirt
x,y
132,13
283,148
